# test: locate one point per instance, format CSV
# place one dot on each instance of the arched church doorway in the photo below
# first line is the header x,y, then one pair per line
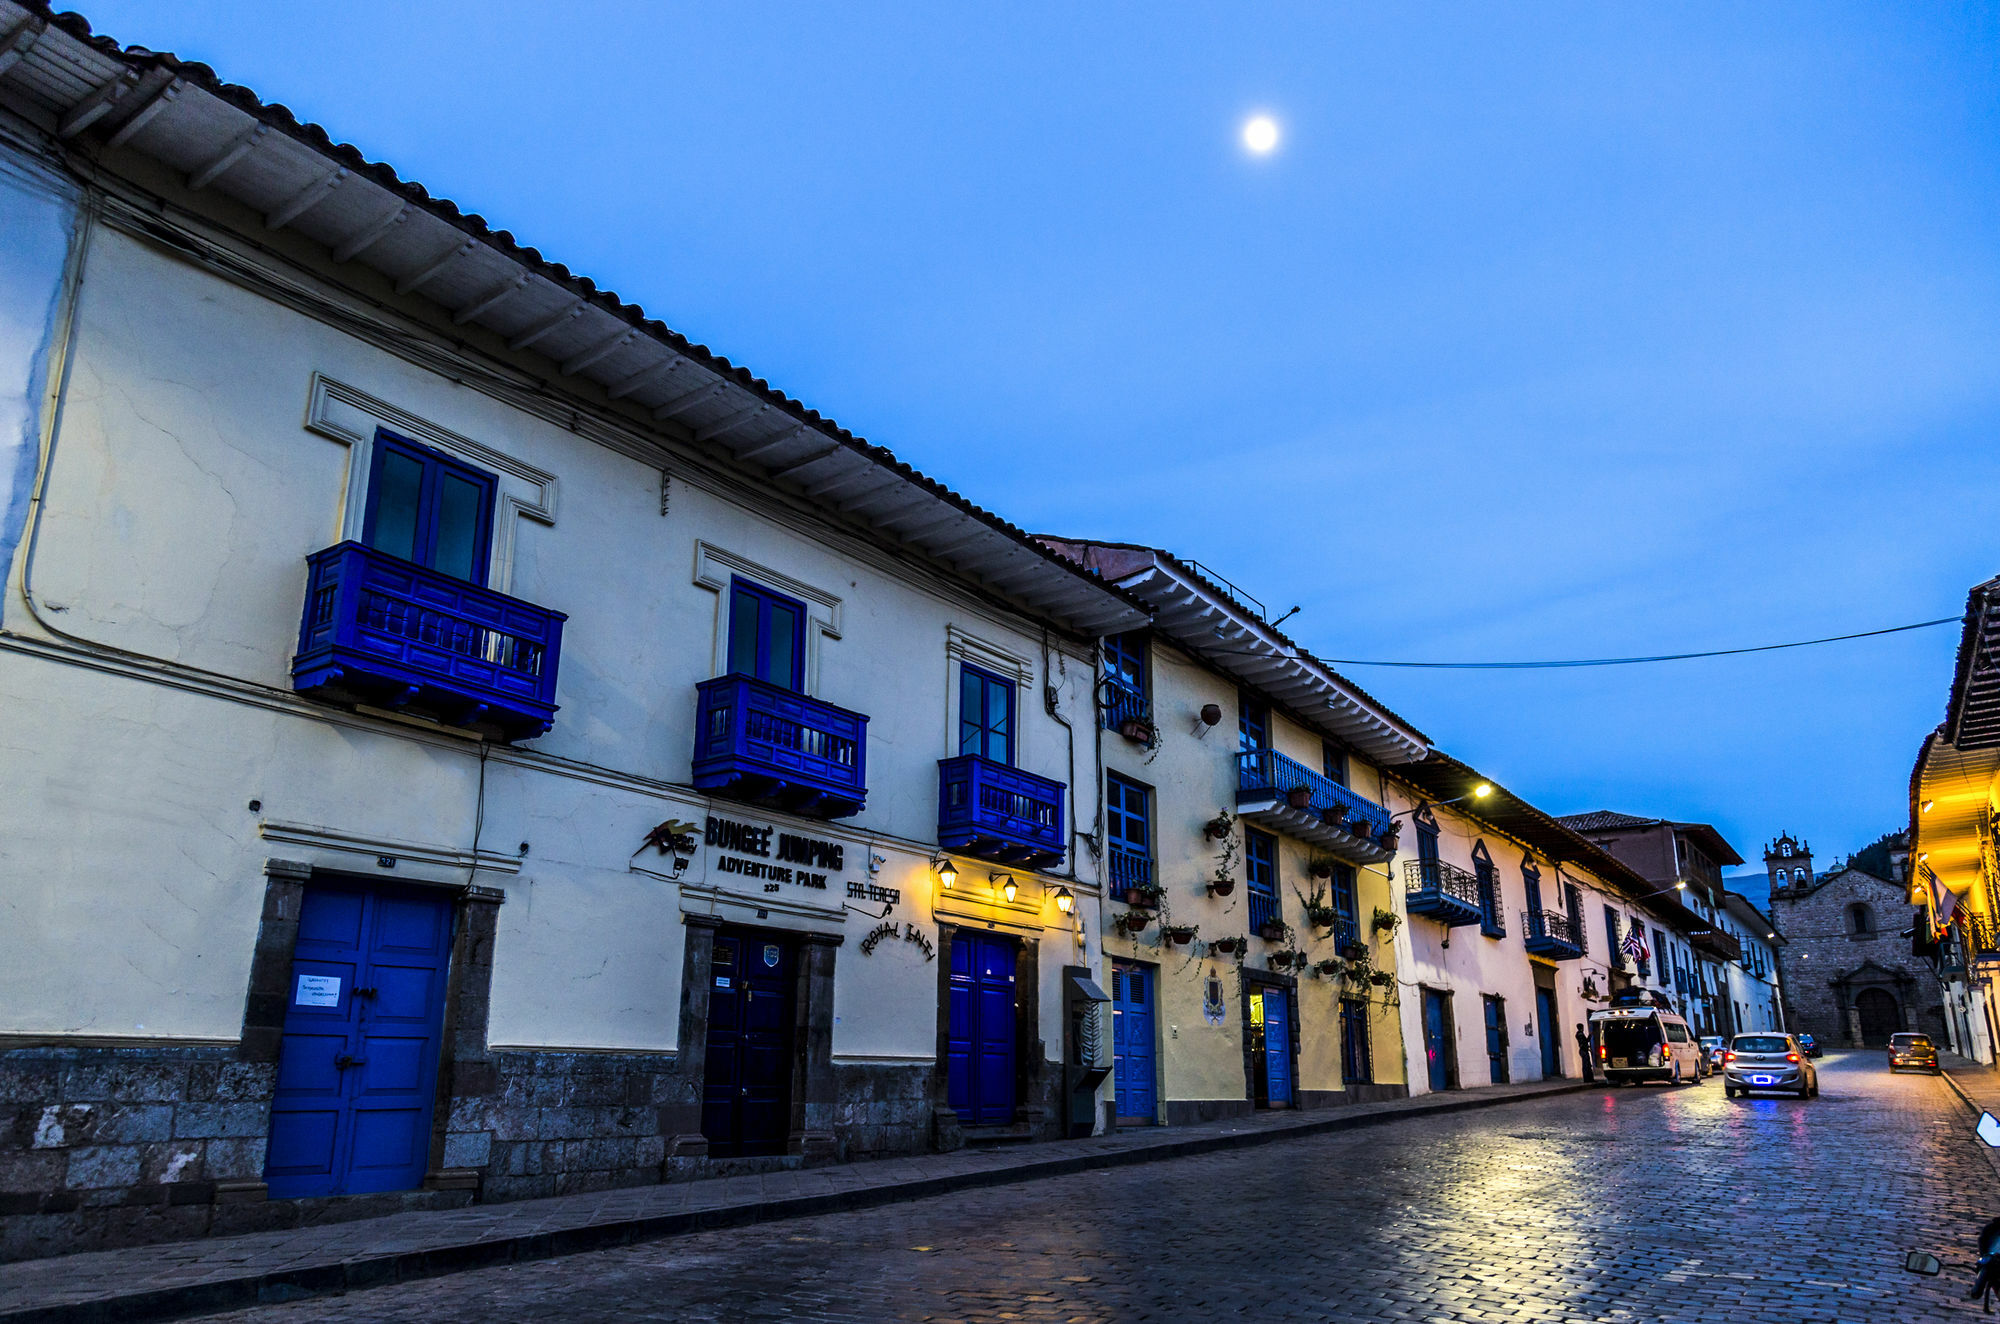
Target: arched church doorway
x,y
1879,1017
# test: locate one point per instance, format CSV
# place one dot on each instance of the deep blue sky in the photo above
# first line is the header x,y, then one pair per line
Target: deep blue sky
x,y
1591,330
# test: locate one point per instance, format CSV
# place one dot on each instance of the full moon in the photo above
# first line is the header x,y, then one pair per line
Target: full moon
x,y
1260,135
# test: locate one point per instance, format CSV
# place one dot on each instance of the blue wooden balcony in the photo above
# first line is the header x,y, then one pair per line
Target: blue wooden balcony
x,y
1284,795
1440,891
767,745
382,631
1549,933
1121,703
1000,813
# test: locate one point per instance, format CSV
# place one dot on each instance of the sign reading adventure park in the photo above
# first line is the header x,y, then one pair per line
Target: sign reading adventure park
x,y
774,857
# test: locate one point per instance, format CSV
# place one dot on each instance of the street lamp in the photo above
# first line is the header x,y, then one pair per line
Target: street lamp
x,y
1004,884
947,872
1065,900
1479,792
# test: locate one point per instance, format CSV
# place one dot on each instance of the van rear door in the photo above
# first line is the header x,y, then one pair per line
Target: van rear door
x,y
1629,1041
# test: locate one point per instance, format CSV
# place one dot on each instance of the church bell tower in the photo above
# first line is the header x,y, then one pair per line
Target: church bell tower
x,y
1788,861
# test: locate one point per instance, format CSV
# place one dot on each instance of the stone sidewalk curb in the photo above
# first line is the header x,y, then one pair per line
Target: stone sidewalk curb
x,y
1950,1077
375,1270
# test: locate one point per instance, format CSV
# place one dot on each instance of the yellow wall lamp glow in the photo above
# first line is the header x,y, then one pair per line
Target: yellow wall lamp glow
x,y
947,872
1004,884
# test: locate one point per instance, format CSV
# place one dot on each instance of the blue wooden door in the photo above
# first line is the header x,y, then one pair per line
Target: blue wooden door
x,y
357,1071
1496,1040
1545,1019
1277,1047
979,1067
746,1099
1437,1039
1132,1040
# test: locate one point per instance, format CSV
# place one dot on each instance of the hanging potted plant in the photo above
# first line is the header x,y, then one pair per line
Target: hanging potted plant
x,y
1180,934
1320,866
1225,946
1224,880
1334,815
1132,922
1326,969
1215,829
1286,960
1318,913
1299,797
1389,836
1354,951
1145,896
1381,978
1386,920
1274,930
1138,730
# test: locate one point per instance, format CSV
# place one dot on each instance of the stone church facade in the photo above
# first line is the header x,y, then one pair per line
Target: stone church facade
x,y
1849,976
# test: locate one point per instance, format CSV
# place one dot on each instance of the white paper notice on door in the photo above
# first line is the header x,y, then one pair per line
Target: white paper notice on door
x,y
317,991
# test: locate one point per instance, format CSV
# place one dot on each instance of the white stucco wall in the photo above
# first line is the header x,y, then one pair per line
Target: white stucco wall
x,y
209,440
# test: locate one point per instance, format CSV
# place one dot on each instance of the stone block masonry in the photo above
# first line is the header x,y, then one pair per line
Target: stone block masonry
x,y
106,1146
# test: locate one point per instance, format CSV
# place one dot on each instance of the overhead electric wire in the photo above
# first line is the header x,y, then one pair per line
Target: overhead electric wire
x,y
1630,661
1599,661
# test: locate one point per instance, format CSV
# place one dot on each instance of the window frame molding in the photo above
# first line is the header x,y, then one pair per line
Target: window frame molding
x,y
716,567
351,417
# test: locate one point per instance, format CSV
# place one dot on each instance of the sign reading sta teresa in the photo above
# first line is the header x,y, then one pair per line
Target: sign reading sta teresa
x,y
780,857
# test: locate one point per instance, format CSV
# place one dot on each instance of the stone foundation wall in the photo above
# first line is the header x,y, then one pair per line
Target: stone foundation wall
x,y
883,1110
564,1122
111,1146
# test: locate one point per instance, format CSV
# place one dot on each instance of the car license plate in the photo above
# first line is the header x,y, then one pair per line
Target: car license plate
x,y
1763,1080
1621,1061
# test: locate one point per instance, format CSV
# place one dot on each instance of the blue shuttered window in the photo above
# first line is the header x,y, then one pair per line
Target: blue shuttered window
x,y
1333,762
1347,911
1129,831
1260,874
767,635
426,507
1491,918
1253,725
985,715
1124,692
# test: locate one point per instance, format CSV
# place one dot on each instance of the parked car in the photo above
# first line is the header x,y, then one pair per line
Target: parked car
x,y
1913,1050
1768,1062
1809,1045
1636,1044
1712,1047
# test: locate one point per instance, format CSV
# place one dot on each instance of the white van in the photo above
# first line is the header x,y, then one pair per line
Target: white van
x,y
1638,1043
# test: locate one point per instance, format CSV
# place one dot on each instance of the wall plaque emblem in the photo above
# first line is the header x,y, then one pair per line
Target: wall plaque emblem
x,y
771,955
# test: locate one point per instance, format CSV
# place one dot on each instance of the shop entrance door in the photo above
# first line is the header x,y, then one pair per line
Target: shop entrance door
x,y
364,1022
1132,1040
746,1101
979,1066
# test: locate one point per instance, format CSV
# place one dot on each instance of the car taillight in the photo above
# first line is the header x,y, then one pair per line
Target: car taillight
x,y
1602,1052
1729,1056
1791,1057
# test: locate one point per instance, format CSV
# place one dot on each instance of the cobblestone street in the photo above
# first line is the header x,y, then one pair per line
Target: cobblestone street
x,y
1636,1204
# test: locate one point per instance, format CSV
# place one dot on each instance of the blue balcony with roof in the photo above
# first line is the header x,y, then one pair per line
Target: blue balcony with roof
x,y
1283,795
767,745
386,632
1443,892
1550,934
1000,813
